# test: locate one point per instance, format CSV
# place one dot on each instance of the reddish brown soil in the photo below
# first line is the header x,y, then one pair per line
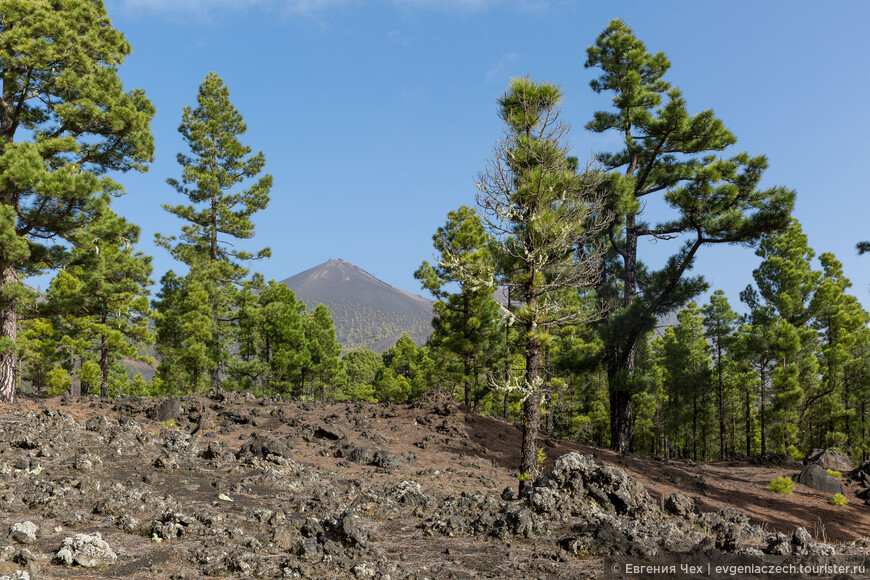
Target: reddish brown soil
x,y
489,463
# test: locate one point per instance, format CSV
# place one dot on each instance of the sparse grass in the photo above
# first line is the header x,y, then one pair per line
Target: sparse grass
x,y
782,485
169,424
839,499
835,473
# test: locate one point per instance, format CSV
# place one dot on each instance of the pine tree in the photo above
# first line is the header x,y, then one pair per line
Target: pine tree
x,y
544,216
466,322
65,121
210,175
184,330
666,150
719,321
840,321
406,374
325,364
362,367
109,284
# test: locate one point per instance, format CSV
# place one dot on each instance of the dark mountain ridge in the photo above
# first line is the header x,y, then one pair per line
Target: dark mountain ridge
x,y
367,312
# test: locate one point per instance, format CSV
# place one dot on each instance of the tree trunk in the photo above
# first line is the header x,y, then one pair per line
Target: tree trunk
x,y
75,385
531,412
620,421
748,427
621,408
763,422
507,359
467,380
622,357
722,432
104,361
548,395
8,330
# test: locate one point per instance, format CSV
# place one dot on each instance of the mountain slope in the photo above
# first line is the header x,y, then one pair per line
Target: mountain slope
x,y
367,312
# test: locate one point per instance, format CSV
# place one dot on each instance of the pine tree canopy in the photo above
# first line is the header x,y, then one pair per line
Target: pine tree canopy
x,y
63,98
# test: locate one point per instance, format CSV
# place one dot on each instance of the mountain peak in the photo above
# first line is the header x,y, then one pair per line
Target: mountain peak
x,y
367,312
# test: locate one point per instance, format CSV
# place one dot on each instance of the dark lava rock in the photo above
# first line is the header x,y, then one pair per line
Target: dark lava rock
x,y
98,424
778,544
776,460
237,417
264,446
861,474
361,455
680,505
332,432
831,459
387,460
817,478
169,410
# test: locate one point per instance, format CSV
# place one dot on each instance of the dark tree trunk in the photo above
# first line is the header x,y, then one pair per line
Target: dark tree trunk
x,y
75,386
620,420
104,361
531,412
548,395
722,432
762,417
621,409
748,427
8,330
507,359
467,380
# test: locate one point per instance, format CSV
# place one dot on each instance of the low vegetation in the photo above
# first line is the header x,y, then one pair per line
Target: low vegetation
x,y
782,485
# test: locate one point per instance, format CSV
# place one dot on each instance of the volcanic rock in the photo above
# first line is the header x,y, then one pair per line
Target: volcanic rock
x,y
817,478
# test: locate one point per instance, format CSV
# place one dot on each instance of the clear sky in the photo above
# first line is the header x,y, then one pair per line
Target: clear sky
x,y
376,116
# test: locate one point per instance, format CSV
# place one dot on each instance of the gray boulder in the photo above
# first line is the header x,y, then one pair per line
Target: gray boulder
x,y
817,478
264,446
831,459
24,532
86,550
680,505
169,410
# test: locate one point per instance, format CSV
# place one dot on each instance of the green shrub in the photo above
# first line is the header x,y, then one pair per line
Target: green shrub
x,y
782,485
839,499
835,473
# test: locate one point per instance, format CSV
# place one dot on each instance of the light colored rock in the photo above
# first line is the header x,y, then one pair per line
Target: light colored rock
x,y
24,532
86,550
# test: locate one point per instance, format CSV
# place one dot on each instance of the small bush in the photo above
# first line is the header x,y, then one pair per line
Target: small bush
x,y
835,473
839,499
782,485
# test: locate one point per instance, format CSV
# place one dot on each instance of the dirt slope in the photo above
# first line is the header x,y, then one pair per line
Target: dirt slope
x,y
231,486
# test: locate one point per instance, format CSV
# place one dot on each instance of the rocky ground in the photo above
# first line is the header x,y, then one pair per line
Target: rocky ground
x,y
226,485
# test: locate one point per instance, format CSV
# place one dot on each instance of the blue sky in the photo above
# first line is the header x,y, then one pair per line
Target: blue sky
x,y
376,116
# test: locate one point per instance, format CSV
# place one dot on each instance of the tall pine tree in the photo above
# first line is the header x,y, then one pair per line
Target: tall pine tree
x,y
65,121
219,212
466,322
544,216
665,151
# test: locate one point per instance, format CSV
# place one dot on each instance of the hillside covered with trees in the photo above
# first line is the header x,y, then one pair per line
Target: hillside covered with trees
x,y
574,352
